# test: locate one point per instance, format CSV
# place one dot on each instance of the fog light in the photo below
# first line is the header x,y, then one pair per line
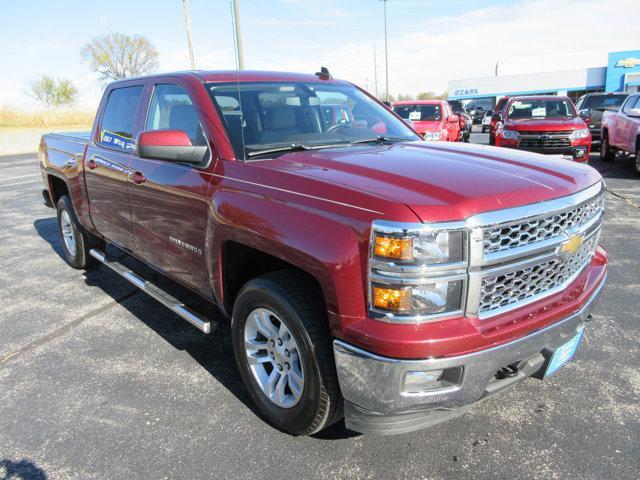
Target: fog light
x,y
419,382
581,152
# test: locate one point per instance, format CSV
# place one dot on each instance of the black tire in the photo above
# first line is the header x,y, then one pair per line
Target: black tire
x,y
84,241
289,294
484,129
607,154
637,161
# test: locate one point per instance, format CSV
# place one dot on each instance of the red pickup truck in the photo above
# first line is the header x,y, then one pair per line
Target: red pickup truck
x,y
433,119
366,273
621,131
543,124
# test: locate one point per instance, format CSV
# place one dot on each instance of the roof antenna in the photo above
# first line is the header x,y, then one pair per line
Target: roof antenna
x,y
324,74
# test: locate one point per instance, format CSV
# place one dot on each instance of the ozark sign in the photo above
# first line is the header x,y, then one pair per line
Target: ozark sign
x,y
466,91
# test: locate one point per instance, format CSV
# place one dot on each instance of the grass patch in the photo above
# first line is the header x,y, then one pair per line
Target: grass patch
x,y
54,117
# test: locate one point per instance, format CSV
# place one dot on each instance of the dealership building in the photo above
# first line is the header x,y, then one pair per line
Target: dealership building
x,y
621,74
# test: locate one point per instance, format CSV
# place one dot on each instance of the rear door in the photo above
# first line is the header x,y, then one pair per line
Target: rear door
x,y
107,164
169,201
625,126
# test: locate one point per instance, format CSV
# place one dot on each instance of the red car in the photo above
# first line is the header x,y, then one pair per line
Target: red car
x,y
433,119
544,124
498,111
364,271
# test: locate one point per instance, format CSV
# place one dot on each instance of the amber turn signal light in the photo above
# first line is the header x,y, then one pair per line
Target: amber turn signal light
x,y
391,298
393,247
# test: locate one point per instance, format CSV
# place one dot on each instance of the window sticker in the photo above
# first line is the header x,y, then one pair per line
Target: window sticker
x,y
119,141
415,115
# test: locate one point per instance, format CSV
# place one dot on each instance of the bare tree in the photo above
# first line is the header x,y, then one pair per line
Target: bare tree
x,y
52,92
117,55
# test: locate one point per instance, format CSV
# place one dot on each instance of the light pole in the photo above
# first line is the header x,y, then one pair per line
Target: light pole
x,y
386,52
236,24
187,21
375,70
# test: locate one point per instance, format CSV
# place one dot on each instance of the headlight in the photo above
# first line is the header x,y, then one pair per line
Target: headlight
x,y
510,134
578,134
432,135
422,247
417,272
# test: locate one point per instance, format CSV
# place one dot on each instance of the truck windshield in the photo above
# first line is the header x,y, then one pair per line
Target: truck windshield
x,y
269,115
602,101
536,109
418,112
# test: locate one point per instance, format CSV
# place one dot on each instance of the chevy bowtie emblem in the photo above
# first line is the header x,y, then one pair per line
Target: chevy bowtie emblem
x,y
628,62
572,245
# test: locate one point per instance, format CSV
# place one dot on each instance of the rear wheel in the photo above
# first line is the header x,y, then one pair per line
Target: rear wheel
x,y
637,161
76,241
283,351
606,152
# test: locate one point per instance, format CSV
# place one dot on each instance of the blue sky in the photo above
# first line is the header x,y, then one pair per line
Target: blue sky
x,y
430,42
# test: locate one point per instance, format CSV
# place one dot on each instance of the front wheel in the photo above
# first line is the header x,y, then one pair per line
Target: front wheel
x,y
484,129
637,161
606,152
284,353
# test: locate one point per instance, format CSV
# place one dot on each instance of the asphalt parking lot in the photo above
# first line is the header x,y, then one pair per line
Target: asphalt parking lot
x,y
99,381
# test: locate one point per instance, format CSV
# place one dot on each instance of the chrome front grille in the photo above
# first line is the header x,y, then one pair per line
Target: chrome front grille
x,y
504,237
499,291
523,254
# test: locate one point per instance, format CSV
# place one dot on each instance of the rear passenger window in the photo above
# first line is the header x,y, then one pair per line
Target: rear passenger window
x,y
118,121
172,109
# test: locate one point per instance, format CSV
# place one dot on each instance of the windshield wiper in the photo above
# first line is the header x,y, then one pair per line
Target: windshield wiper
x,y
378,139
294,147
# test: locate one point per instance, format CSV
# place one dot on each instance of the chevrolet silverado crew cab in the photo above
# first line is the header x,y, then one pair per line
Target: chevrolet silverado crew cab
x,y
544,124
621,131
433,119
366,272
591,107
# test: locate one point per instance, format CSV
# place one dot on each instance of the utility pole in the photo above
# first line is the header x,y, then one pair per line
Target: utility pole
x,y
185,4
375,70
238,39
386,52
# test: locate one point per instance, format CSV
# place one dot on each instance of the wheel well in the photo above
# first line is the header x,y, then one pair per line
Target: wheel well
x,y
58,189
241,263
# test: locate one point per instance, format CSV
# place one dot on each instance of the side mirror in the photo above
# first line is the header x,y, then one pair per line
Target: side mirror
x,y
584,114
170,145
453,119
496,117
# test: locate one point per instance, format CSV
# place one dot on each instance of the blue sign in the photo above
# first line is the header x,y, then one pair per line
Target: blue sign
x,y
620,64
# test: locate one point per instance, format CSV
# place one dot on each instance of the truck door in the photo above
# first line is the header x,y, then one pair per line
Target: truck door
x,y
626,127
107,165
169,200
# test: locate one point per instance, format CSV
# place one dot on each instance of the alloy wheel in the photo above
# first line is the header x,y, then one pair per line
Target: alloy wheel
x,y
273,357
68,234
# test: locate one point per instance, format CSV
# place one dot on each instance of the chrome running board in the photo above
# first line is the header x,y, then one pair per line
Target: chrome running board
x,y
157,293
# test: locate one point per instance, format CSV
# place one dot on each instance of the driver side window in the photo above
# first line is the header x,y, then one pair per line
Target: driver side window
x,y
172,109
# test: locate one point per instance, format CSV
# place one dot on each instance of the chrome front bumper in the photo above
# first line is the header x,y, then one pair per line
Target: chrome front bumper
x,y
372,385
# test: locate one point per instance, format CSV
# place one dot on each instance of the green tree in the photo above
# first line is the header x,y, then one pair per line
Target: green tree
x,y
52,92
404,97
116,55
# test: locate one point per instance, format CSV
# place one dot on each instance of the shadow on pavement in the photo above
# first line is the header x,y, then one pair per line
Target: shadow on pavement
x,y
213,352
20,470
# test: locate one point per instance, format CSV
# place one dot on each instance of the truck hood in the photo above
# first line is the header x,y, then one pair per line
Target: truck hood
x,y
442,181
546,124
422,126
